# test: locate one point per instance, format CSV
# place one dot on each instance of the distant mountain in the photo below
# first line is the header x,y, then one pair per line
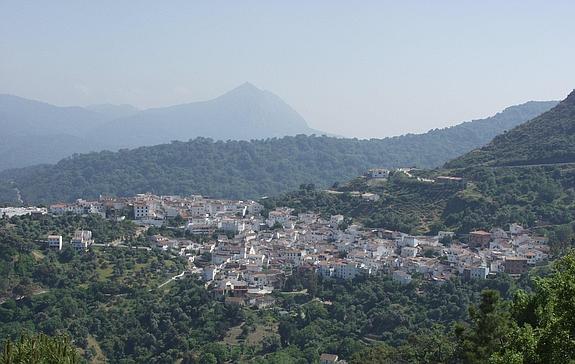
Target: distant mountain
x,y
547,139
241,169
112,111
20,116
243,113
525,176
35,132
439,145
251,168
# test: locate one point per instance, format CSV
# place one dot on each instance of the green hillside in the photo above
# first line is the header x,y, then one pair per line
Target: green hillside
x,y
251,169
531,196
523,176
547,139
109,301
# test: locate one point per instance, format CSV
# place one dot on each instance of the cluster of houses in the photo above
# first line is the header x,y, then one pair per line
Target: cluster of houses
x,y
203,215
8,212
512,251
245,256
256,260
382,173
81,240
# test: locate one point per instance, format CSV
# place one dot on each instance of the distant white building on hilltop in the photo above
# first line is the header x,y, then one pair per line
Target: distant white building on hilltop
x,y
378,173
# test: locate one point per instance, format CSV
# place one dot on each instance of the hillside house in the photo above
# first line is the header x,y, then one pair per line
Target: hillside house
x,y
515,265
451,181
378,173
54,242
81,240
479,239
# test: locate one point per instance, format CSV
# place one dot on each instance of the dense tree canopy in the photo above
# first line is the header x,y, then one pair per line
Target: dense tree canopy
x,y
40,349
535,196
549,138
251,169
109,302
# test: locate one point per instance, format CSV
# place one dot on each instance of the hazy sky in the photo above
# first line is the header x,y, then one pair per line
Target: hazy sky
x,y
361,68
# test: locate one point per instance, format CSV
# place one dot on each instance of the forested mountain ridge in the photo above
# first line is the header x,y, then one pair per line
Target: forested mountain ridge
x,y
509,181
547,139
35,132
244,113
242,169
20,116
94,296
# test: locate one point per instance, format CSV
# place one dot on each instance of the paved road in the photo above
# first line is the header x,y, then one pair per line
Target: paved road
x,y
120,246
22,297
536,165
172,279
526,165
18,195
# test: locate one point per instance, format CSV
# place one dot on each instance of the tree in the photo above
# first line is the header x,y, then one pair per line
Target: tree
x,y
546,318
208,358
40,349
286,330
539,327
490,325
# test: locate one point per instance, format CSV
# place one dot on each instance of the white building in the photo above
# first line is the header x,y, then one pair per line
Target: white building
x,y
515,229
325,269
209,273
54,242
345,270
408,252
401,277
143,211
445,234
370,196
199,209
58,209
307,218
21,211
294,256
81,240
378,173
335,220
410,241
232,225
201,226
478,272
279,216
254,208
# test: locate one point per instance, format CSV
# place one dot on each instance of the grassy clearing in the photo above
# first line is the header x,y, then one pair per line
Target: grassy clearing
x,y
99,358
105,273
254,338
38,255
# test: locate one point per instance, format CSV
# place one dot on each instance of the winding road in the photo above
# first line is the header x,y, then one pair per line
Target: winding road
x,y
172,279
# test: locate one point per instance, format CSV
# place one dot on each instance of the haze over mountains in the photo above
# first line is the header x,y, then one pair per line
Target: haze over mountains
x,y
547,139
243,113
35,132
242,169
526,176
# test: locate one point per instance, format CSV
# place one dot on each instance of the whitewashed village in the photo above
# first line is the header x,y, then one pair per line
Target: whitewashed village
x,y
245,256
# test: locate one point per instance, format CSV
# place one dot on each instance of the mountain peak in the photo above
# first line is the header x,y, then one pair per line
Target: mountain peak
x,y
248,86
247,92
245,88
570,99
